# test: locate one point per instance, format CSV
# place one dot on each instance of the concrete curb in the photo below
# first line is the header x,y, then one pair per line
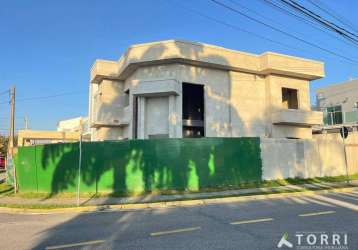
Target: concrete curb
x,y
169,204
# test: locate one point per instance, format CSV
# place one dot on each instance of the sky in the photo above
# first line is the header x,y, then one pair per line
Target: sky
x,y
47,47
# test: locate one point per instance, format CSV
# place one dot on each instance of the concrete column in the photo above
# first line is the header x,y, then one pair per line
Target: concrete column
x,y
172,119
179,109
141,117
268,105
132,108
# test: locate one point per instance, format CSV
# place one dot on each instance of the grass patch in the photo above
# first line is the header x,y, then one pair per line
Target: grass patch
x,y
105,206
209,196
5,189
263,184
36,206
301,181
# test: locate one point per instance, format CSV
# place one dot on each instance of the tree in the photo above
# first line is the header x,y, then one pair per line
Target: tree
x,y
3,144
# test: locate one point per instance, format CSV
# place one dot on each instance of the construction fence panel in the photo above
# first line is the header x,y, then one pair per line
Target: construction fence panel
x,y
138,166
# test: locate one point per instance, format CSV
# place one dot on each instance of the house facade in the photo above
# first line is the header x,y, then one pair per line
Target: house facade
x,y
175,89
339,103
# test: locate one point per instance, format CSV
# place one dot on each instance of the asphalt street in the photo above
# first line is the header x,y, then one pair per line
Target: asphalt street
x,y
255,224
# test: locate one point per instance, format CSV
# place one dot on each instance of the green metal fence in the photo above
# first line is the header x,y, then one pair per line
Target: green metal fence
x,y
138,166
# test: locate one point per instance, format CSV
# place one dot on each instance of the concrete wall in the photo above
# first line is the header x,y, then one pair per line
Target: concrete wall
x,y
321,156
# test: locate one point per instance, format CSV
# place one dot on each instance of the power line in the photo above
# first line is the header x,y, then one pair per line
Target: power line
x,y
307,21
320,20
330,12
44,97
47,97
5,92
237,28
5,102
283,32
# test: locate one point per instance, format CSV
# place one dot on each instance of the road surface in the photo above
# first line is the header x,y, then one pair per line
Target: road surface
x,y
255,224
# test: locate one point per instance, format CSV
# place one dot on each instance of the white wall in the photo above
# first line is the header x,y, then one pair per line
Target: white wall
x,y
282,158
309,158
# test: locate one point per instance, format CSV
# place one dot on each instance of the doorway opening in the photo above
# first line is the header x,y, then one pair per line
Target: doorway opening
x,y
193,110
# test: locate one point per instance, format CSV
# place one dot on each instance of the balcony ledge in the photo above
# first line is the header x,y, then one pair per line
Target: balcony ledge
x,y
98,124
296,117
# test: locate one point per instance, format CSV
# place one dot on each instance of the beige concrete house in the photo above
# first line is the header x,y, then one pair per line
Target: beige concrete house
x,y
181,89
73,125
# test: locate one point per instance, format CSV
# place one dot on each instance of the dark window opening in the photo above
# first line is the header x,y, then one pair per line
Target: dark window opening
x,y
333,115
290,98
193,110
126,98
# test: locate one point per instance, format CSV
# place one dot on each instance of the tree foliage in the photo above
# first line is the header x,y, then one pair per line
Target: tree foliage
x,y
3,144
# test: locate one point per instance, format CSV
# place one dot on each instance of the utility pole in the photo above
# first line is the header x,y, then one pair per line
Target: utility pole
x,y
10,152
12,120
26,122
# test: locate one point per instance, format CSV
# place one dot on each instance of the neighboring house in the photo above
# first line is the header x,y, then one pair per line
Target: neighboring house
x,y
73,124
67,131
181,89
339,102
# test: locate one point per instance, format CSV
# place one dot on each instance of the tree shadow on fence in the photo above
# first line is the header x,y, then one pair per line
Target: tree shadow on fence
x,y
144,166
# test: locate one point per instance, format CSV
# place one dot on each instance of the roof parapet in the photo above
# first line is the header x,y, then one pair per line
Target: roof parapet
x,y
198,54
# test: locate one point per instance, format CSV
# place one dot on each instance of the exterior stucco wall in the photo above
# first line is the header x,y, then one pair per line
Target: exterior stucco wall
x,y
282,158
109,133
274,97
216,97
170,114
248,104
279,82
241,90
236,103
107,107
209,55
322,156
336,143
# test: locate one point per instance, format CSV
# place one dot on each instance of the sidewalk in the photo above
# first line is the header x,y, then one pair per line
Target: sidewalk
x,y
98,201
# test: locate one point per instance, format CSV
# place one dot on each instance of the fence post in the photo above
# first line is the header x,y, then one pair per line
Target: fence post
x,y
79,165
345,153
